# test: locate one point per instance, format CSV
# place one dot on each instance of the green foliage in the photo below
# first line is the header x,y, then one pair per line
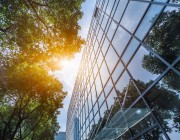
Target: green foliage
x,y
34,35
164,39
40,30
30,102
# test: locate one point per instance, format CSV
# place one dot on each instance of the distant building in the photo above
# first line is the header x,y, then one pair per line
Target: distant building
x,y
61,136
128,83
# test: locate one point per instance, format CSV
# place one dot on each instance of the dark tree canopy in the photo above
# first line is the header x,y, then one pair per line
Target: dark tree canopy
x,y
164,38
34,35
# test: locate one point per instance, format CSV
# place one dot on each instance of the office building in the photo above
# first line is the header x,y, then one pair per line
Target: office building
x,y
128,84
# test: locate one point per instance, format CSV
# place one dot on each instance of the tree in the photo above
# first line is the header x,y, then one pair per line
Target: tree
x,y
164,38
34,35
29,104
41,30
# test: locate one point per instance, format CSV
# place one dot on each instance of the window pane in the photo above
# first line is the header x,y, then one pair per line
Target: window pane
x,y
155,134
105,46
117,71
103,109
165,35
111,58
110,6
105,4
128,95
101,99
120,40
111,98
165,101
89,103
149,18
111,30
119,11
95,109
133,15
123,82
93,91
108,87
98,85
104,73
96,46
146,122
99,59
105,19
145,67
130,50
100,34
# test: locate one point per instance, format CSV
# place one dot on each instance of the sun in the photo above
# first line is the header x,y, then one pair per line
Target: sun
x,y
64,63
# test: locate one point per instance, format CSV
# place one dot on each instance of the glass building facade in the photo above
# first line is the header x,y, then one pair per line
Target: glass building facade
x,y
128,84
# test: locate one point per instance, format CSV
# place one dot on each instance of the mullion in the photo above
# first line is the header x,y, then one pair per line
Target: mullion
x,y
159,3
141,42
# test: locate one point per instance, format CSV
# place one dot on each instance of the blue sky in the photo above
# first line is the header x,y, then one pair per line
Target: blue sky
x,y
70,68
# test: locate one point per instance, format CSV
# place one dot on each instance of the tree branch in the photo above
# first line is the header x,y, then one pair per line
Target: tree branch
x,y
34,10
34,127
16,128
32,111
9,121
39,4
4,30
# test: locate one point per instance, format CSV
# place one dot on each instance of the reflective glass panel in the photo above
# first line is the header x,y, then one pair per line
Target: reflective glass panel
x,y
122,121
148,20
95,109
93,91
100,58
95,70
98,85
104,22
130,50
96,45
100,34
105,46
105,4
164,98
86,108
145,67
146,122
111,30
120,40
110,6
177,66
101,99
108,87
123,82
165,35
111,58
119,11
174,1
104,73
91,115
118,70
128,95
155,134
111,98
89,102
133,14
103,109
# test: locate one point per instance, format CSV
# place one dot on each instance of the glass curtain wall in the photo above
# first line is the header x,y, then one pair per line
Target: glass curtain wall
x,y
128,84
